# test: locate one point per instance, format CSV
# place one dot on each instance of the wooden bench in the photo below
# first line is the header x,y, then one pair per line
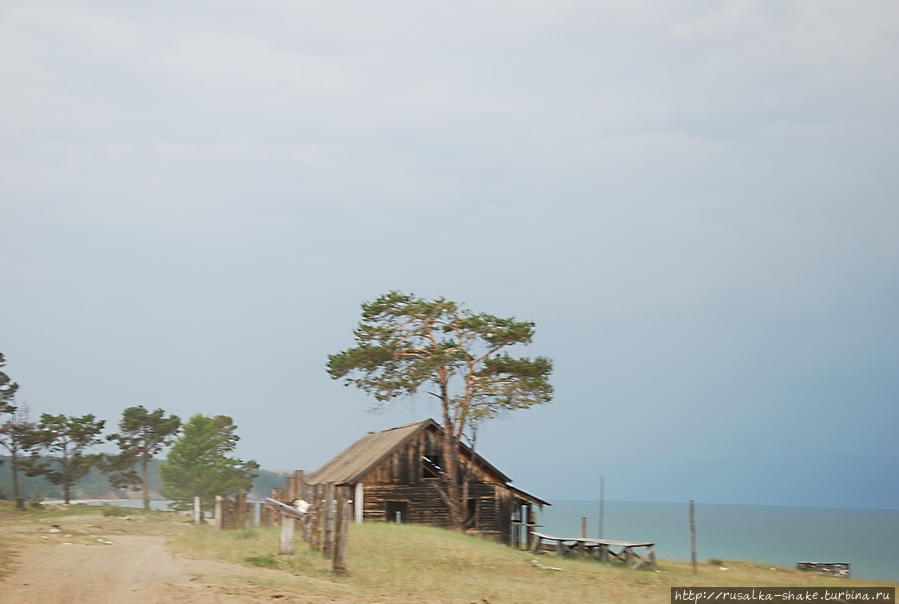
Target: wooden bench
x,y
603,549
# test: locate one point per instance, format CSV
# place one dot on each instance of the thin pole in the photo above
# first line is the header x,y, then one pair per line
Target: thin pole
x,y
693,535
602,502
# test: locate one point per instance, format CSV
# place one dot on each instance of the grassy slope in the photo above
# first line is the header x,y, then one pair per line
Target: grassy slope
x,y
403,563
394,563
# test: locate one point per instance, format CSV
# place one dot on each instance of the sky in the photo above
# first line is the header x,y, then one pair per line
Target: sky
x,y
697,203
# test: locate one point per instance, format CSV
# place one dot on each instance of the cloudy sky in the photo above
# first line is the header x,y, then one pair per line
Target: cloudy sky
x,y
696,201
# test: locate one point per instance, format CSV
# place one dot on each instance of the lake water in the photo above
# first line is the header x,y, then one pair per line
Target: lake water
x,y
867,539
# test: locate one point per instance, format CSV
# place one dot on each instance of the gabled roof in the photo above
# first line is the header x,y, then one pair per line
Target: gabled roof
x,y
357,460
360,457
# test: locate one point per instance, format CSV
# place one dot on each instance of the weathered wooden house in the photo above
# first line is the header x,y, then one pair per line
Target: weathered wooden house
x,y
395,473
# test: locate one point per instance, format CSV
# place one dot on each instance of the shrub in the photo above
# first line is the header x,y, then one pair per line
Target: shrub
x,y
268,560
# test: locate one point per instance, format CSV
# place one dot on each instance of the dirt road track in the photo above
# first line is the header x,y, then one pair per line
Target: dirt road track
x,y
132,569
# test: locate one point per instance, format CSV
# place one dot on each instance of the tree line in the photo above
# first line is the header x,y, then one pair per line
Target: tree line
x,y
58,447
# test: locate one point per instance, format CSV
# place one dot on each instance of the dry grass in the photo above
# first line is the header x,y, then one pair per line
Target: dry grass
x,y
403,563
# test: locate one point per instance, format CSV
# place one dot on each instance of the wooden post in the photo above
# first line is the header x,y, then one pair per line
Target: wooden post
x,y
197,511
359,502
338,564
532,525
287,493
240,504
329,510
693,535
298,479
583,527
315,510
275,517
602,503
297,494
218,511
285,546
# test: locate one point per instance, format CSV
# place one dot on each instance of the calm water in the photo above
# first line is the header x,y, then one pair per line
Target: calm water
x,y
867,539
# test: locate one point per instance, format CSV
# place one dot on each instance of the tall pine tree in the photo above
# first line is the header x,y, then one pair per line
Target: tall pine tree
x,y
199,464
142,434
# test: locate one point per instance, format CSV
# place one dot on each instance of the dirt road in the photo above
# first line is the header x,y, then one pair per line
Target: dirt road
x,y
129,569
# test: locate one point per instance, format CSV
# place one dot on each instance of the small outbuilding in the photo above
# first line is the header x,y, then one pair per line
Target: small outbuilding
x,y
395,475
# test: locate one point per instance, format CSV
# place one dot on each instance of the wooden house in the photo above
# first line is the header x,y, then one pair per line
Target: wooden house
x,y
395,473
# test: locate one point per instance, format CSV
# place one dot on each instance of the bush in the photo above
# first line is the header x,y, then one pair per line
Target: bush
x,y
715,562
35,500
268,560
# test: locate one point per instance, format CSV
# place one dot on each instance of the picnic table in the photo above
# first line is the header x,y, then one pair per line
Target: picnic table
x,y
604,549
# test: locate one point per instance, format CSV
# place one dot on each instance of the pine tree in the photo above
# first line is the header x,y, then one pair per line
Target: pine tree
x,y
142,434
199,464
65,439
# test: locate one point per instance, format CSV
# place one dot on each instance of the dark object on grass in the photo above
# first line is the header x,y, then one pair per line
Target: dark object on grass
x,y
835,569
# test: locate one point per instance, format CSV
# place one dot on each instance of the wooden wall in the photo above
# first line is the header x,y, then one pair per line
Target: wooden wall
x,y
401,477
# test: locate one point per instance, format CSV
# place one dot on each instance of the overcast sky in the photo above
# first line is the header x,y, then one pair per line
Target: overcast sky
x,y
696,201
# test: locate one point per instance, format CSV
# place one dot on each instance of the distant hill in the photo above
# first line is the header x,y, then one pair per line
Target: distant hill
x,y
96,486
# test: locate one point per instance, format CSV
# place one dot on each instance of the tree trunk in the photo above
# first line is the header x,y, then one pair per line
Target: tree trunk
x,y
65,477
14,463
145,482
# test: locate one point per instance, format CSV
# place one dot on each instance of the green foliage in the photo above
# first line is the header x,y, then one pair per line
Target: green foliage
x,y
141,435
66,439
199,465
8,389
18,436
404,343
265,561
36,500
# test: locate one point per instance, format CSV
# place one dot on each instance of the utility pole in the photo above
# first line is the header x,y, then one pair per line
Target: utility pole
x,y
602,502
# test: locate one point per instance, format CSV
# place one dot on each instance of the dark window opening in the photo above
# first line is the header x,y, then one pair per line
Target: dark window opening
x,y
397,511
431,466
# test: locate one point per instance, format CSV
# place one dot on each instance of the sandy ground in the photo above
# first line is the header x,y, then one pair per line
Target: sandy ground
x,y
131,569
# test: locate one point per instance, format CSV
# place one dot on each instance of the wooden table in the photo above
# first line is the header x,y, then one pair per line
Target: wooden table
x,y
604,549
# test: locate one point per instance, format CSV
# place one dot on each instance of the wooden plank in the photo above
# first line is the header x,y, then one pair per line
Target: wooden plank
x,y
284,508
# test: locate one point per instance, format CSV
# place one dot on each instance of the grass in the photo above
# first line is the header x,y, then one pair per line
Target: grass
x,y
407,563
393,563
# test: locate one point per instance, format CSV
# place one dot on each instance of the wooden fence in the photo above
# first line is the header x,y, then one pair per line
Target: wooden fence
x,y
324,526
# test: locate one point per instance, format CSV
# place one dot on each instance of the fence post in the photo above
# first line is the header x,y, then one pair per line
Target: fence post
x,y
338,564
275,515
219,513
197,510
240,504
329,520
286,543
317,518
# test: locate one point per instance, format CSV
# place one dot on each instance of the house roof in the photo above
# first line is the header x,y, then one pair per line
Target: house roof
x,y
357,460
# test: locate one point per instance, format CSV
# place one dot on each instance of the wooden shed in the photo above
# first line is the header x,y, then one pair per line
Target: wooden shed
x,y
395,474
